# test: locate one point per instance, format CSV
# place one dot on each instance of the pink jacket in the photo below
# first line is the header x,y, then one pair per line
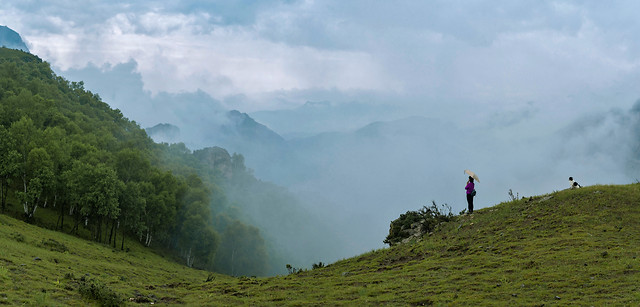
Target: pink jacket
x,y
470,186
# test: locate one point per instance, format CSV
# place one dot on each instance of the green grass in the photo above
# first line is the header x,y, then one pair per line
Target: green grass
x,y
575,247
45,268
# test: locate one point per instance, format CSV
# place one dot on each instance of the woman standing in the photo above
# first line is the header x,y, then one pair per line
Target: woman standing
x,y
470,193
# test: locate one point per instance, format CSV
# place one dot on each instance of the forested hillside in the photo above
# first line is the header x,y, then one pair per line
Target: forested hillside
x,y
71,163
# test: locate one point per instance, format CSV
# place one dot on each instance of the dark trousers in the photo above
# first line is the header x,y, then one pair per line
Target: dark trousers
x,y
470,202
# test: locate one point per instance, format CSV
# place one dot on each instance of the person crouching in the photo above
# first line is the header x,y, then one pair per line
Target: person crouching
x,y
574,184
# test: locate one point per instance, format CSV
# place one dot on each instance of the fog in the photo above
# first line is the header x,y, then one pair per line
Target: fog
x,y
367,178
357,180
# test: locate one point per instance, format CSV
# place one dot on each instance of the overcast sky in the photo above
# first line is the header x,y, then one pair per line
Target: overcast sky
x,y
438,57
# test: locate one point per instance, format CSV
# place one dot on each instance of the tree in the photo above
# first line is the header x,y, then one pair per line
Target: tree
x,y
418,223
132,165
96,190
24,134
133,205
237,163
9,166
161,207
242,251
197,240
39,168
58,147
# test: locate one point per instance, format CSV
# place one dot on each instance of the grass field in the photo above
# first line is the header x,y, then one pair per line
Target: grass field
x,y
573,247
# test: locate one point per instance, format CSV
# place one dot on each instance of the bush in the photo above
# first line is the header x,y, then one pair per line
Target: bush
x,y
17,236
53,245
94,289
293,270
418,223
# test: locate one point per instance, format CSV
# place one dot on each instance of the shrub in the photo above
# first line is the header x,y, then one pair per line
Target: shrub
x,y
17,236
293,270
418,223
53,245
94,289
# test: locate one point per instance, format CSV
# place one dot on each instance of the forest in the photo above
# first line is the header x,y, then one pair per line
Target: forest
x,y
70,162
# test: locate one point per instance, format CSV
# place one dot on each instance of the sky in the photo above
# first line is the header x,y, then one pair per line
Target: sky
x,y
443,57
528,92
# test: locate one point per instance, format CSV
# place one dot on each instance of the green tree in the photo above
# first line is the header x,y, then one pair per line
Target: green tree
x,y
132,165
242,251
133,202
25,134
162,206
9,166
197,240
58,147
96,190
39,170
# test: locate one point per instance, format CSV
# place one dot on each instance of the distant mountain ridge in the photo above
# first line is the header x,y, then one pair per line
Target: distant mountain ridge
x,y
313,118
234,130
11,39
164,133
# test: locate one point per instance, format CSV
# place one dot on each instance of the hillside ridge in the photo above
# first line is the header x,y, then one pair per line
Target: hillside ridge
x,y
570,247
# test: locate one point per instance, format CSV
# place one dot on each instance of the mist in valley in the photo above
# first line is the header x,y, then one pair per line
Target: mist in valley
x,y
354,113
355,181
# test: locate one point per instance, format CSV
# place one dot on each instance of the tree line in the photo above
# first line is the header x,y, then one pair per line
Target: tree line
x,y
64,150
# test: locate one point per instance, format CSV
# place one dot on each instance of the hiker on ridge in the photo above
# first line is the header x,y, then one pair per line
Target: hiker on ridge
x,y
574,185
471,192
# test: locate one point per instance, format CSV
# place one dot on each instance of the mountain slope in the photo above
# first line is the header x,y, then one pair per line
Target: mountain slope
x,y
573,247
40,267
569,247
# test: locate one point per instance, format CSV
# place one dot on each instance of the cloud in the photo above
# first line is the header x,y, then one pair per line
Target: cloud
x,y
175,54
122,87
431,55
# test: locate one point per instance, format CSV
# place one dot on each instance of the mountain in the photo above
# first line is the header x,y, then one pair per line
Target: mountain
x,y
231,129
164,133
241,133
321,116
245,127
11,39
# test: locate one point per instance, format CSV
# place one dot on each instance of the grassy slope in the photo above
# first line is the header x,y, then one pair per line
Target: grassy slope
x,y
570,247
577,247
44,267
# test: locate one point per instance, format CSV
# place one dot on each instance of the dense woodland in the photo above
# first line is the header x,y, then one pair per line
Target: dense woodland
x,y
70,162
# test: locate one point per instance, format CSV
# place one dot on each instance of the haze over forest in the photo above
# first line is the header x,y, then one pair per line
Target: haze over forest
x,y
364,114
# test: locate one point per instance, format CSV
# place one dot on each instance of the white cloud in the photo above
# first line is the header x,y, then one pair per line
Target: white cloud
x,y
437,52
175,55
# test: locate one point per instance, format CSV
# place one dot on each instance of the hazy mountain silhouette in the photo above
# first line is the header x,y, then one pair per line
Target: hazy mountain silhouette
x,y
317,117
235,131
11,39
